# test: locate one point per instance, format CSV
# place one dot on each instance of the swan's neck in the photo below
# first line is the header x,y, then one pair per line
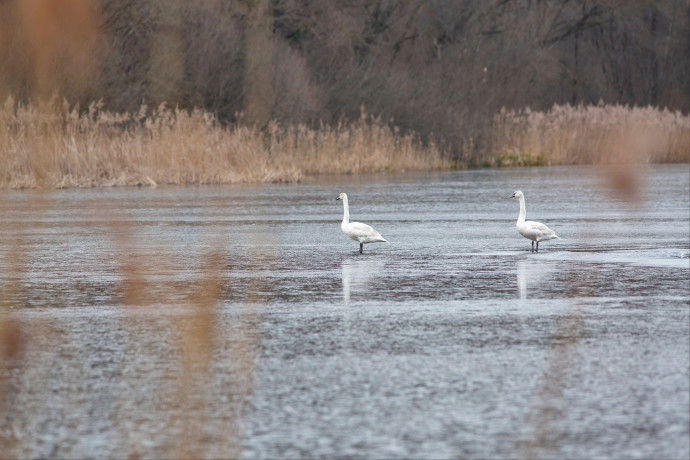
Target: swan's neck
x,y
346,213
523,213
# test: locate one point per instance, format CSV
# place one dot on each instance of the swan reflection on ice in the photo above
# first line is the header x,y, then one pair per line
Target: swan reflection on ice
x,y
358,274
530,275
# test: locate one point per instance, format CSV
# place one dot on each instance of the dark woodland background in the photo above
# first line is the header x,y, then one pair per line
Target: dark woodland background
x,y
438,68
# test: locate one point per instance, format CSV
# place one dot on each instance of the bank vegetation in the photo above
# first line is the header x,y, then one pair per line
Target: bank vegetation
x,y
171,91
54,144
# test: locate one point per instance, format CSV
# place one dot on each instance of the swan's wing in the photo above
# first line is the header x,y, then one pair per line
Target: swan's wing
x,y
365,232
540,228
537,226
363,229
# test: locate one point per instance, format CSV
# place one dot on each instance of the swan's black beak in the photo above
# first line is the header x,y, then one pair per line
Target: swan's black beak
x,y
512,196
337,199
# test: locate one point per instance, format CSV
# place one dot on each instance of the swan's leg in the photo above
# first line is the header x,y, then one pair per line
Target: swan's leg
x,y
361,248
537,246
532,246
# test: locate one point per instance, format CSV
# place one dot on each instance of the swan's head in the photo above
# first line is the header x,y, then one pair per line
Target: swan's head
x,y
342,196
516,194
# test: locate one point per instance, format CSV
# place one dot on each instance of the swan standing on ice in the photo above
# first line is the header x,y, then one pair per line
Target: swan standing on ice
x,y
356,230
534,231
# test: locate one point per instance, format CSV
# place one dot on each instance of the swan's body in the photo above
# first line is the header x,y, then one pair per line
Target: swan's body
x,y
535,231
362,233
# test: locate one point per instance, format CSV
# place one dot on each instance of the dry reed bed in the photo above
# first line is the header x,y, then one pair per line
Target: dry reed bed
x,y
55,145
51,144
590,135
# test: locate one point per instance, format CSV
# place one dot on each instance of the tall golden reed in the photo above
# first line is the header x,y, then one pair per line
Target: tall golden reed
x,y
51,144
590,135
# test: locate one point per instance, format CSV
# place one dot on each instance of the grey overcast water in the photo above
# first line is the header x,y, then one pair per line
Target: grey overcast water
x,y
453,340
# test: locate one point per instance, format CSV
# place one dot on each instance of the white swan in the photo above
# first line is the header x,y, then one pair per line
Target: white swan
x,y
356,230
534,231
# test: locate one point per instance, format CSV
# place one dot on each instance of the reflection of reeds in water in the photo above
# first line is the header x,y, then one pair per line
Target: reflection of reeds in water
x,y
181,396
54,145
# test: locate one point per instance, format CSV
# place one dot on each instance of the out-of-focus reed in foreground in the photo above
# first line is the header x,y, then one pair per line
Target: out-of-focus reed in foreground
x,y
192,402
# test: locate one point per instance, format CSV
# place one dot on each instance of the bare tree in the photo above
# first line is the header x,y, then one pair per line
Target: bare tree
x,y
441,69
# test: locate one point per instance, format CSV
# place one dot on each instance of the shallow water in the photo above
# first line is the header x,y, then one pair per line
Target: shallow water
x,y
453,340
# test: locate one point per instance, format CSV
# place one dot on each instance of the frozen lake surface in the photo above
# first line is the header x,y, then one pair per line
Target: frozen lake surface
x,y
241,321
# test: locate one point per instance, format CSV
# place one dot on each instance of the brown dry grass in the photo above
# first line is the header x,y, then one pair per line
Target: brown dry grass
x,y
54,145
590,135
